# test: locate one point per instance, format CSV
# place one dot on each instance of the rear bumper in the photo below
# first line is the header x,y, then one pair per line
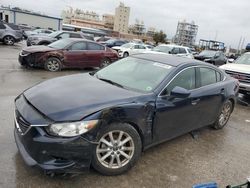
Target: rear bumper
x,y
60,155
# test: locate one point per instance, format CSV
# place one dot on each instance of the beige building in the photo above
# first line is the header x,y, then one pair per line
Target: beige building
x,y
121,18
108,20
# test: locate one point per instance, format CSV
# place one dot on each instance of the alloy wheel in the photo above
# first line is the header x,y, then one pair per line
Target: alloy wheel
x,y
225,114
53,65
115,149
9,40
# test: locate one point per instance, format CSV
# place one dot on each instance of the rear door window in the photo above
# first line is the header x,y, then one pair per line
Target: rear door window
x,y
93,46
79,46
182,51
208,76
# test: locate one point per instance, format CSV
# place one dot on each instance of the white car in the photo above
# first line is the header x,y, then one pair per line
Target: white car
x,y
181,51
240,69
130,48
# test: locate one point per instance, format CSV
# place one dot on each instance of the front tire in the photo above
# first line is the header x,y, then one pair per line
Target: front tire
x,y
224,115
9,40
53,64
105,62
125,54
118,150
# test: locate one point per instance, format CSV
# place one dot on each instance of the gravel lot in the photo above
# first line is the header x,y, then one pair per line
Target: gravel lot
x,y
221,156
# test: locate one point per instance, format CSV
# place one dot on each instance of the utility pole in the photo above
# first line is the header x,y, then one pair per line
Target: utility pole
x,y
243,41
239,45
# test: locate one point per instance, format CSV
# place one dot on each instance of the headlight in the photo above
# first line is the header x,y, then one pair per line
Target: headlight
x,y
71,129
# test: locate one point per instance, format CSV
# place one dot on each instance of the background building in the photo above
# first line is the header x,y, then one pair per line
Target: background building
x,y
121,18
19,16
138,28
108,20
186,33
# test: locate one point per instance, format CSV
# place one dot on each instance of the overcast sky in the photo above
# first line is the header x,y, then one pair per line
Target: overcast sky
x,y
223,20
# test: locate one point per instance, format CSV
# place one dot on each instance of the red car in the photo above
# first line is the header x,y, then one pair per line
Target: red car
x,y
68,53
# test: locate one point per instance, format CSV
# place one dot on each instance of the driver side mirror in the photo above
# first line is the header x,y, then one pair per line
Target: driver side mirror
x,y
179,92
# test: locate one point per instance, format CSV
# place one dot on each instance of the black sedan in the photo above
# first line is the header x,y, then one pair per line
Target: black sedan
x,y
106,119
213,57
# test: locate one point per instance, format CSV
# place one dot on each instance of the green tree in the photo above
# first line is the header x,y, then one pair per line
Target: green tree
x,y
160,37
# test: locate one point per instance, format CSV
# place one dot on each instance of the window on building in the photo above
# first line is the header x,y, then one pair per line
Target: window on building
x,y
7,18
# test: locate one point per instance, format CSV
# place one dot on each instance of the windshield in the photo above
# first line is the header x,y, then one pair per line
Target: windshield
x,y
54,34
136,74
165,49
244,59
60,44
208,53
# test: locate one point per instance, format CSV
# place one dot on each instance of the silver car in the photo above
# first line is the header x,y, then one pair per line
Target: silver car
x,y
10,33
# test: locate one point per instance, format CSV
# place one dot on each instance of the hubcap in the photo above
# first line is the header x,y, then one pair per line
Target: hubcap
x,y
53,65
225,114
9,40
115,149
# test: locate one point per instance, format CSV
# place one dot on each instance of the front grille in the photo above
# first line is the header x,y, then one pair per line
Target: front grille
x,y
23,125
242,77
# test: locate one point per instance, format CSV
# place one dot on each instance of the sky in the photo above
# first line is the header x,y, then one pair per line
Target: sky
x,y
222,20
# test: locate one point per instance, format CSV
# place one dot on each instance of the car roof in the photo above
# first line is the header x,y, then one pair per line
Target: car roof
x,y
173,45
168,59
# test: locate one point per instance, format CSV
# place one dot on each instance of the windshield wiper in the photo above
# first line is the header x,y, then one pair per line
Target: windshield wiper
x,y
111,82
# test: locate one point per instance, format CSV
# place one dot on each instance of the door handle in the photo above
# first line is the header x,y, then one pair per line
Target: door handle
x,y
195,101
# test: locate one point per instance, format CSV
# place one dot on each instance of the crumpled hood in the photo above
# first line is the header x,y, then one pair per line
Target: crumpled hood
x,y
71,98
38,48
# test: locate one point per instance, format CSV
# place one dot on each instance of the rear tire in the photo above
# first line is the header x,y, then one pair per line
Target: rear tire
x,y
118,150
53,64
9,40
224,115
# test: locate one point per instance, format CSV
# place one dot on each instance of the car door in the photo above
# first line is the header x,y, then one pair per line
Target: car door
x,y
75,55
95,54
219,58
175,116
2,30
211,93
135,49
182,52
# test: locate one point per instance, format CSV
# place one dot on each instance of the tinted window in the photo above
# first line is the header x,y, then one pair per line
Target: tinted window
x,y
64,35
119,43
186,79
182,51
79,46
208,76
2,26
175,51
136,47
218,76
75,35
142,47
93,46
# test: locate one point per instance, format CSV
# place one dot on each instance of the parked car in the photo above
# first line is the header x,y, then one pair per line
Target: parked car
x,y
181,51
47,39
240,69
130,48
213,57
248,47
29,33
67,53
114,42
10,33
106,119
